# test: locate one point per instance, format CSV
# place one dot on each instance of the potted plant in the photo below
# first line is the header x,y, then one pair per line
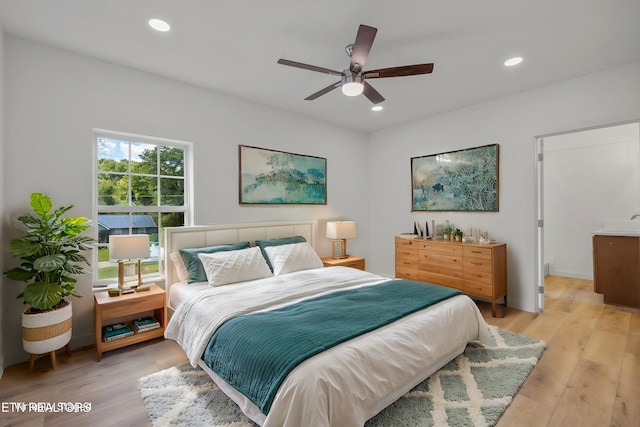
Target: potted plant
x,y
457,234
446,232
51,255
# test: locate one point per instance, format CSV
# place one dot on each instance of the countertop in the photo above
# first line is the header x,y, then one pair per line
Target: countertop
x,y
603,232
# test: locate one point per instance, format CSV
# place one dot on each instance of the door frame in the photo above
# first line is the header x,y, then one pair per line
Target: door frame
x,y
539,205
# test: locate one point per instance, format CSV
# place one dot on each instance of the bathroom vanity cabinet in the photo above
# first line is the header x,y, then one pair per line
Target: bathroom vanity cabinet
x,y
616,268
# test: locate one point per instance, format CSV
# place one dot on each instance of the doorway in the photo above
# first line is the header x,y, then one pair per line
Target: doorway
x,y
583,178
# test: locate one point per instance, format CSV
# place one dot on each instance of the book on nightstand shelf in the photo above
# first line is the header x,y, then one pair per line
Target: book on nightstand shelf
x,y
145,324
117,331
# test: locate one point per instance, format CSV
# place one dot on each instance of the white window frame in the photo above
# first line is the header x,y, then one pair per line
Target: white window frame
x,y
188,193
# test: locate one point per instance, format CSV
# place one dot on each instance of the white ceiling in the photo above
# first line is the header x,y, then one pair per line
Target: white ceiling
x,y
233,46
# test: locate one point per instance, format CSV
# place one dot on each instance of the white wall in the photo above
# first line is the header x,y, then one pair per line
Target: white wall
x,y
56,98
513,122
3,291
590,177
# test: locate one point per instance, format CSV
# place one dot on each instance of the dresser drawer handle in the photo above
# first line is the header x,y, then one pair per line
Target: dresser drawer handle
x,y
476,252
476,263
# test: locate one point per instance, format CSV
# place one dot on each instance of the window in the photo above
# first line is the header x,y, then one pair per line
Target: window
x,y
141,186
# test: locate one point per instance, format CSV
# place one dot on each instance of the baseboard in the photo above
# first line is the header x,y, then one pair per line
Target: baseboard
x,y
572,274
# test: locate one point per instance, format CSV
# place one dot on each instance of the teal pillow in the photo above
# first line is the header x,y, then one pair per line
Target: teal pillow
x,y
194,266
277,242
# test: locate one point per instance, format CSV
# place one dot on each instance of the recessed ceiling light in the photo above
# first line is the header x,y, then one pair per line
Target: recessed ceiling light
x,y
513,61
159,25
377,108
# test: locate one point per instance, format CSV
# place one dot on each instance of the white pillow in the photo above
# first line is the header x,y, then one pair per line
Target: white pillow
x,y
241,265
178,266
292,257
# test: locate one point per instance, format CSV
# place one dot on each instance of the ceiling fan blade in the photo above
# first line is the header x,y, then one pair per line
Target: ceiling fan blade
x,y
362,47
407,70
373,95
323,91
309,67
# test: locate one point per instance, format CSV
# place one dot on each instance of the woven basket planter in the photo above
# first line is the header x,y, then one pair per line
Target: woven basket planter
x,y
46,332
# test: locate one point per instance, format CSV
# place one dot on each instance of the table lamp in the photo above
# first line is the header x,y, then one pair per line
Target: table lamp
x,y
128,247
340,231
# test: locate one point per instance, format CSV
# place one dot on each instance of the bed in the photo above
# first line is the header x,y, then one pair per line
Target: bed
x,y
344,383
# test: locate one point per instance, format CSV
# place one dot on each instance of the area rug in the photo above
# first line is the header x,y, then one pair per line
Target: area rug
x,y
472,390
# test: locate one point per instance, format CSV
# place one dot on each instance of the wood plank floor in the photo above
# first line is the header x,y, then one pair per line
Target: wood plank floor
x,y
589,375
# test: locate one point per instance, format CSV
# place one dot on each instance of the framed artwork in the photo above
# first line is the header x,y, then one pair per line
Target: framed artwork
x,y
463,180
277,177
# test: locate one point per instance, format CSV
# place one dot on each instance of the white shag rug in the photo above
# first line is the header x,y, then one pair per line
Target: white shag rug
x,y
472,390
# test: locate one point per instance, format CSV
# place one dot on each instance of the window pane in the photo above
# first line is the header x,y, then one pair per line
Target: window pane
x,y
112,155
146,224
144,191
113,189
144,158
171,192
171,161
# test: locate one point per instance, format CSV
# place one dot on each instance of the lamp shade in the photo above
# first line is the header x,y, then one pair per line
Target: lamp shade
x,y
132,246
341,229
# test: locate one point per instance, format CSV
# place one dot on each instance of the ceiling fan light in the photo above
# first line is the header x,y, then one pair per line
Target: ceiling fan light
x,y
377,108
352,88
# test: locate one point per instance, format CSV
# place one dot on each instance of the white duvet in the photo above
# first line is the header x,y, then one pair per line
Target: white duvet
x,y
350,383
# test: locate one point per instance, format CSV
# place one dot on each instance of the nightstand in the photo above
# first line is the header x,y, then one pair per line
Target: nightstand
x,y
124,309
350,261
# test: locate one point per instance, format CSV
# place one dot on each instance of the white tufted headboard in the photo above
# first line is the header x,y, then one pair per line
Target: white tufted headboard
x,y
176,238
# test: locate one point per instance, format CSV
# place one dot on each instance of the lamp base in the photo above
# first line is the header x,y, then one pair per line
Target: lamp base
x,y
339,248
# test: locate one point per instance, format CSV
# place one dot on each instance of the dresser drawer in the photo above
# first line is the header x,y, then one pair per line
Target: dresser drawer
x,y
478,288
441,279
407,254
441,248
407,272
405,265
479,277
477,265
408,244
476,252
441,264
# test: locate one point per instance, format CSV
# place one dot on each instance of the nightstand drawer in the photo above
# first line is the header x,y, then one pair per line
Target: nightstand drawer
x,y
359,264
138,305
351,261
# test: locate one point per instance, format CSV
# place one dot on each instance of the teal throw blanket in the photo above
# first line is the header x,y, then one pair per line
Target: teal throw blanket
x,y
255,352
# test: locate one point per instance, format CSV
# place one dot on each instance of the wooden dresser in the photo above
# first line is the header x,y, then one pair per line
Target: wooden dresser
x,y
478,270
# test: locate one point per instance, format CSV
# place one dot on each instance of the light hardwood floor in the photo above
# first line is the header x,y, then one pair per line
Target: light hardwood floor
x,y
589,375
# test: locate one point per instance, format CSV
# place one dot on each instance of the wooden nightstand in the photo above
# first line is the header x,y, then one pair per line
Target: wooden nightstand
x,y
124,309
350,261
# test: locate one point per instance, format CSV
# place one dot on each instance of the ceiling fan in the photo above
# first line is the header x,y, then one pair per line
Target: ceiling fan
x,y
353,79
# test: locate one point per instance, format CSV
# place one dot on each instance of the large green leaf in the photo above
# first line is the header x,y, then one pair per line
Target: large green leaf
x,y
23,247
49,262
41,204
42,295
75,225
20,274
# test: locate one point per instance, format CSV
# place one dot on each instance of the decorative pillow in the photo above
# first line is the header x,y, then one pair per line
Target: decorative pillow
x,y
227,267
292,257
277,242
178,266
194,265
